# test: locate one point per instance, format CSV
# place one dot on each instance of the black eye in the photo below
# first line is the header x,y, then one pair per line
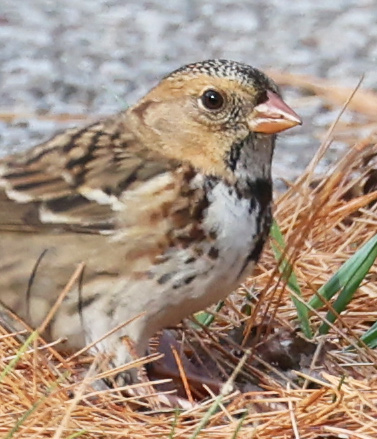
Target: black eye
x,y
212,100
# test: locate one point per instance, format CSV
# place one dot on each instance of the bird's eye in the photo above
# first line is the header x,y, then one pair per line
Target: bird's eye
x,y
212,100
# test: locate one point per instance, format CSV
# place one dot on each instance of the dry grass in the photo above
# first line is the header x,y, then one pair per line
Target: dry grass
x,y
334,394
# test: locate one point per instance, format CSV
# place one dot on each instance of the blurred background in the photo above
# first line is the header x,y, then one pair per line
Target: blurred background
x,y
65,62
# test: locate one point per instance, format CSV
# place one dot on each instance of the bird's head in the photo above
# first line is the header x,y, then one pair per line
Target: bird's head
x,y
201,111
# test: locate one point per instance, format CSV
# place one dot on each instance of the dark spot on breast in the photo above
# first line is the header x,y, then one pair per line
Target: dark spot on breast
x,y
149,274
213,253
210,182
252,205
185,281
190,260
212,235
198,251
110,311
165,278
87,302
188,280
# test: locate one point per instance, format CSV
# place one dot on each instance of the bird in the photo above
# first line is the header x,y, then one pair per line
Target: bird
x,y
167,206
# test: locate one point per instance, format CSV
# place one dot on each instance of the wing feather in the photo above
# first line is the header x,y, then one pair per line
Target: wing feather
x,y
77,179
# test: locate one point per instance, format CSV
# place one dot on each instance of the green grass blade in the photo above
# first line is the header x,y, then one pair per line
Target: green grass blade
x,y
238,428
23,418
174,424
365,256
211,411
278,246
358,266
206,318
12,364
370,337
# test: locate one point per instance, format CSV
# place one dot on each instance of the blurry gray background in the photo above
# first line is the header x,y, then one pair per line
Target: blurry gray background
x,y
94,57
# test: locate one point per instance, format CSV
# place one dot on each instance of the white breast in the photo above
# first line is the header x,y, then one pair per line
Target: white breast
x,y
235,224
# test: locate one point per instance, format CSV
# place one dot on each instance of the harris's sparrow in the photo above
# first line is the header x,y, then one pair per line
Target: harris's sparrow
x,y
168,205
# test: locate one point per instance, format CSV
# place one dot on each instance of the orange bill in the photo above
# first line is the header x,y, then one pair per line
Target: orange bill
x,y
273,116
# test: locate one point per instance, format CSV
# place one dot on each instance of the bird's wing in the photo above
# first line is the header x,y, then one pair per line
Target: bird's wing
x,y
78,180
